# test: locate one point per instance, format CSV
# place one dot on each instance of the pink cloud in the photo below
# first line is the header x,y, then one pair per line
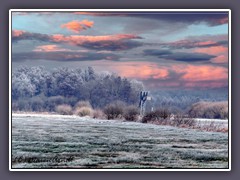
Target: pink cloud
x,y
77,26
107,42
182,75
189,76
216,50
220,59
48,48
55,48
196,73
222,21
206,43
78,39
17,33
220,51
140,70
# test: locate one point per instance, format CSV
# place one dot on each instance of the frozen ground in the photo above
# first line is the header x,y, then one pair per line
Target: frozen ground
x,y
55,141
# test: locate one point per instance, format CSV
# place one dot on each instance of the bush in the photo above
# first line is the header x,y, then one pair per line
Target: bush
x,y
214,127
98,114
114,110
64,109
181,120
157,115
84,111
211,110
131,113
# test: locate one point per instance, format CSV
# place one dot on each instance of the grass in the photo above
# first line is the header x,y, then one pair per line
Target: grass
x,y
76,142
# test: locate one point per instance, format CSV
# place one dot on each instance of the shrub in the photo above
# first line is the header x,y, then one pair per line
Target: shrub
x,y
164,113
212,126
180,120
150,116
83,111
157,115
64,109
98,114
212,110
131,113
114,110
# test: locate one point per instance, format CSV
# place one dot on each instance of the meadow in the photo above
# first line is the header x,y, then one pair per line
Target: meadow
x,y
56,141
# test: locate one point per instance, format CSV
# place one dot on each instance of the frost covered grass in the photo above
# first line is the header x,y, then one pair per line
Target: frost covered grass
x,y
55,141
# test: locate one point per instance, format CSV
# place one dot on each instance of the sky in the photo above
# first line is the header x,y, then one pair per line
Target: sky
x,y
164,50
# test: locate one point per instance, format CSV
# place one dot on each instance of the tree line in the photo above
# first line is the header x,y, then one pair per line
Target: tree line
x,y
36,89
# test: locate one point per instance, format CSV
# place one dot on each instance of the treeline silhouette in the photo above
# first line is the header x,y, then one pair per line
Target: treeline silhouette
x,y
36,89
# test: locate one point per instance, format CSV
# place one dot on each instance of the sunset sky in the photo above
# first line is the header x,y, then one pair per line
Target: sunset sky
x,y
163,49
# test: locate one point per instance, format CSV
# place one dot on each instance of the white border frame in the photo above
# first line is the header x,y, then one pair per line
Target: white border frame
x,y
119,10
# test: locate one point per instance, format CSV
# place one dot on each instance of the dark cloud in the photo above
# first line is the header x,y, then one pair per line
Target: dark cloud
x,y
156,52
112,45
108,42
210,18
63,56
178,56
188,44
189,57
18,35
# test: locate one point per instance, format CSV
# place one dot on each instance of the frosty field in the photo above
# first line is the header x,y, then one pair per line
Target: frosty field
x,y
55,141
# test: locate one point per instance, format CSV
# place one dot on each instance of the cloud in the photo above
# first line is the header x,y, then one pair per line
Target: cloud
x,y
210,18
221,59
78,39
157,52
112,45
220,52
178,56
63,56
189,44
108,42
191,76
216,45
114,42
49,48
18,35
194,73
212,50
170,76
56,48
142,71
77,26
189,57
